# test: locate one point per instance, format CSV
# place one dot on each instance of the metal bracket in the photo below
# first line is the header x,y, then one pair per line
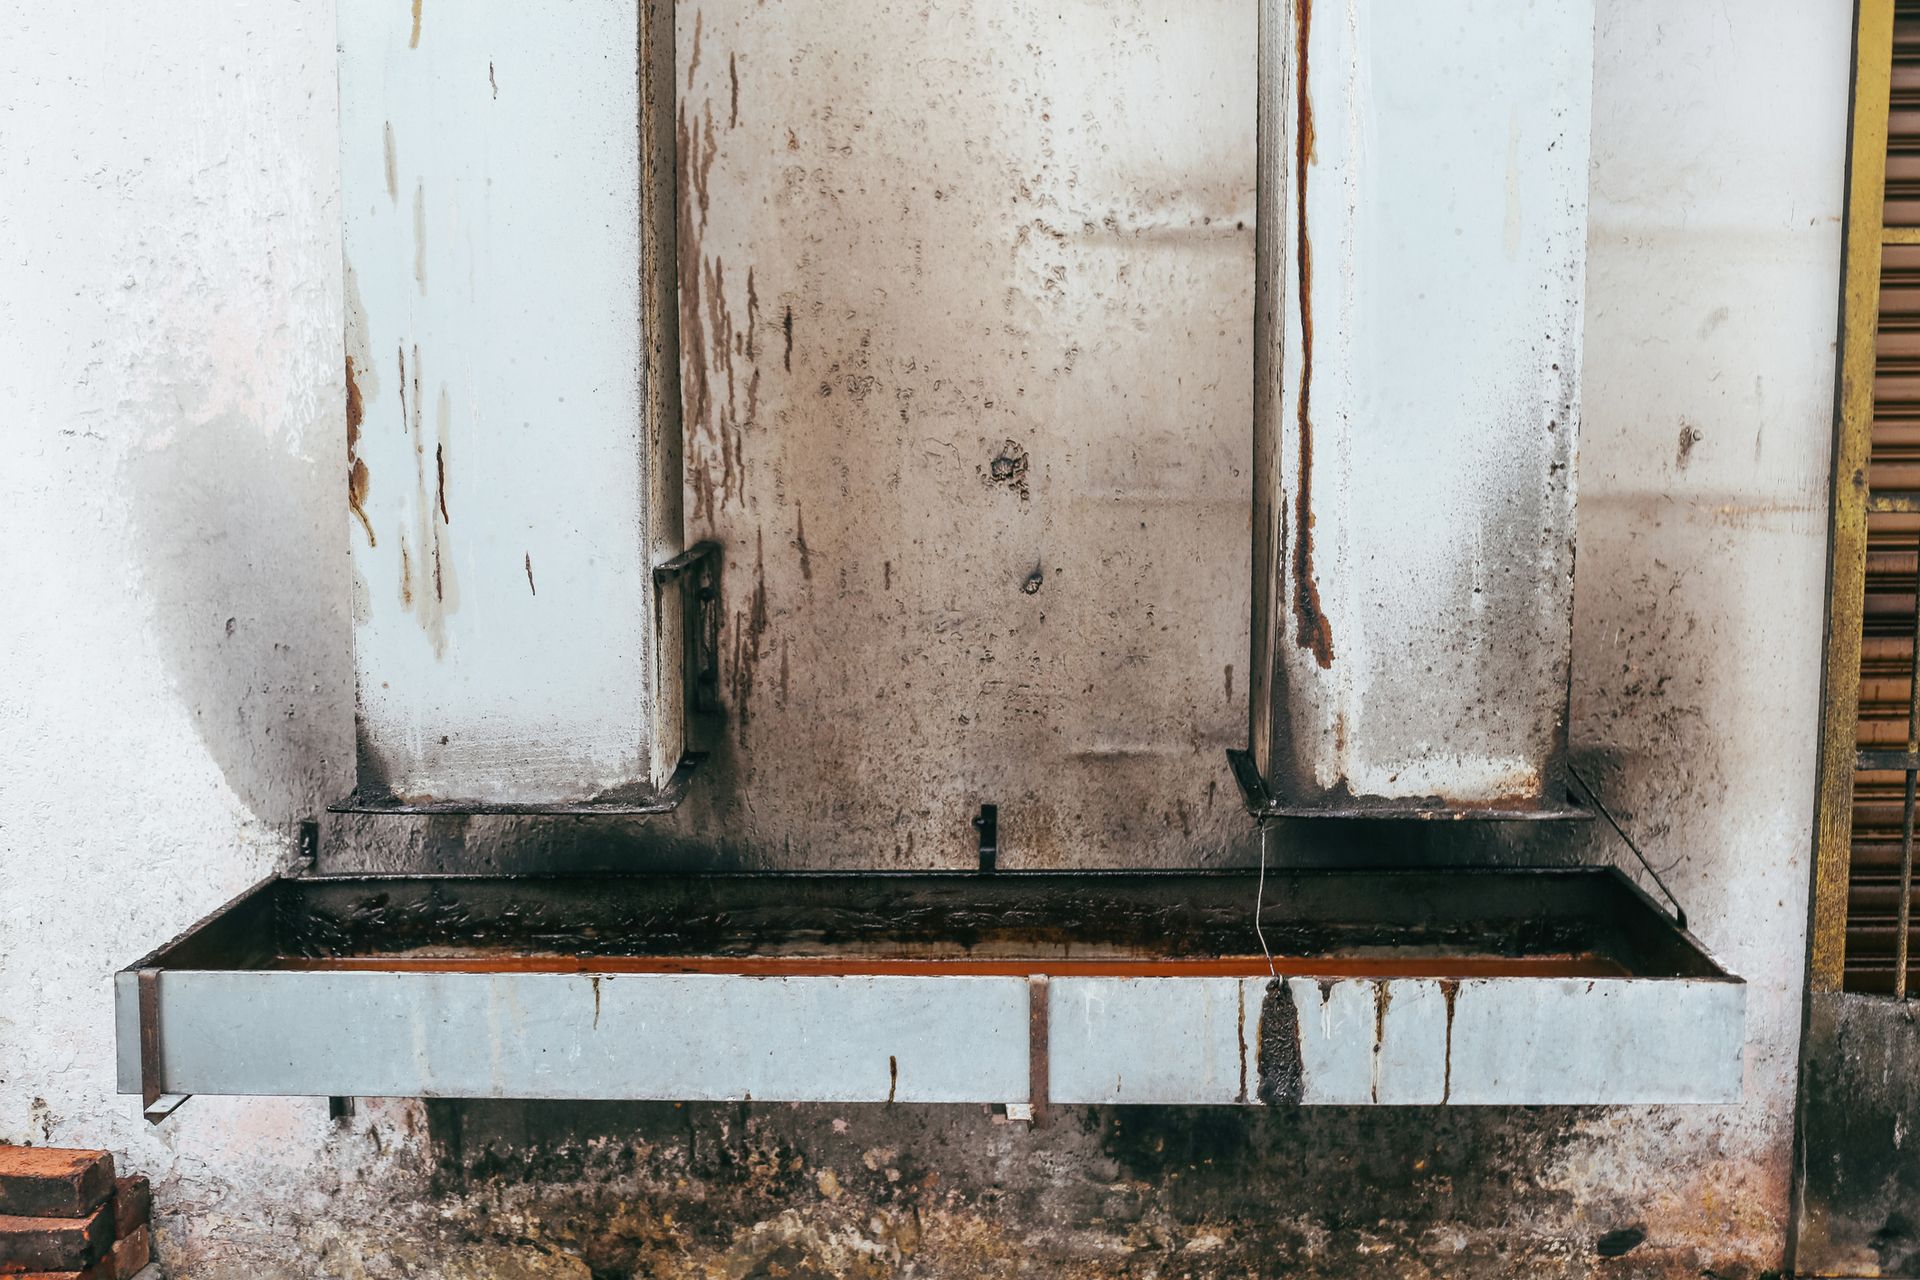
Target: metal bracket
x,y
1679,912
987,823
154,1105
698,570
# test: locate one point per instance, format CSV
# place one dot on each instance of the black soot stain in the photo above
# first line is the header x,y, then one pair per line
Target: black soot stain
x,y
1282,1080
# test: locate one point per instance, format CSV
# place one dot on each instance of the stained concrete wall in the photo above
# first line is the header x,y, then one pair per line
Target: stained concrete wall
x,y
920,241
1860,1202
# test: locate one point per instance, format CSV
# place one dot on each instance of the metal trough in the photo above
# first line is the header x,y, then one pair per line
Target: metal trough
x,y
1026,988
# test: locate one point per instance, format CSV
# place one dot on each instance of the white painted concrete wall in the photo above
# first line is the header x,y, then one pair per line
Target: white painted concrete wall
x,y
971,254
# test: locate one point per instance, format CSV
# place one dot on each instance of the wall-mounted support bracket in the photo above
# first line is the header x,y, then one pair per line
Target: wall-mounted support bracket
x,y
154,1105
697,569
987,823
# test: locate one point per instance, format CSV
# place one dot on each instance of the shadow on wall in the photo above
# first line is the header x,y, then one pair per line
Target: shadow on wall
x,y
240,549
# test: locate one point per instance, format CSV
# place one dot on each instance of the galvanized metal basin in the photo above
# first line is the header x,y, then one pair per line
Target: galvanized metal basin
x,y
1446,986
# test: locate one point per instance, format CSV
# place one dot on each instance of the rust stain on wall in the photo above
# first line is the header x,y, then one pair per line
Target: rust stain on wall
x,y
413,40
753,322
693,64
443,422
429,507
710,343
749,639
1382,1001
356,467
800,543
1312,630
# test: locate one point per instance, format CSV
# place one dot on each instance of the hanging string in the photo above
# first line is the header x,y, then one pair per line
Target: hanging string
x,y
1259,900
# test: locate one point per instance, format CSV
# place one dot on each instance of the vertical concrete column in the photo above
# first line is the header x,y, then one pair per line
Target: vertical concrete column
x,y
1422,258
513,410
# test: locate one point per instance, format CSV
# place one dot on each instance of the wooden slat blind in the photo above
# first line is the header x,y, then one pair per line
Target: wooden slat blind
x,y
1881,863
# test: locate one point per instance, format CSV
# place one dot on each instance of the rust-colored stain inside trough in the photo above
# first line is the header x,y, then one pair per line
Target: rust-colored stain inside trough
x,y
1444,967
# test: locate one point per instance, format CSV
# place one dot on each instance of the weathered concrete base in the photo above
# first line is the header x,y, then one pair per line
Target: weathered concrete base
x,y
1860,1201
593,1191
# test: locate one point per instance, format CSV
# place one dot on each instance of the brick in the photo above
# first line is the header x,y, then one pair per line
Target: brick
x,y
131,1253
132,1205
55,1244
53,1182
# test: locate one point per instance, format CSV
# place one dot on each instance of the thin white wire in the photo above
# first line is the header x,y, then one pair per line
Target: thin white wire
x,y
1259,900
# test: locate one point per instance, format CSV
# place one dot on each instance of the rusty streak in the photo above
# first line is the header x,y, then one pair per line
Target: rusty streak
x,y
440,480
356,469
800,543
753,322
893,1077
528,557
1037,1032
1312,629
413,41
733,82
750,635
786,327
1382,999
1450,990
1240,1025
693,66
